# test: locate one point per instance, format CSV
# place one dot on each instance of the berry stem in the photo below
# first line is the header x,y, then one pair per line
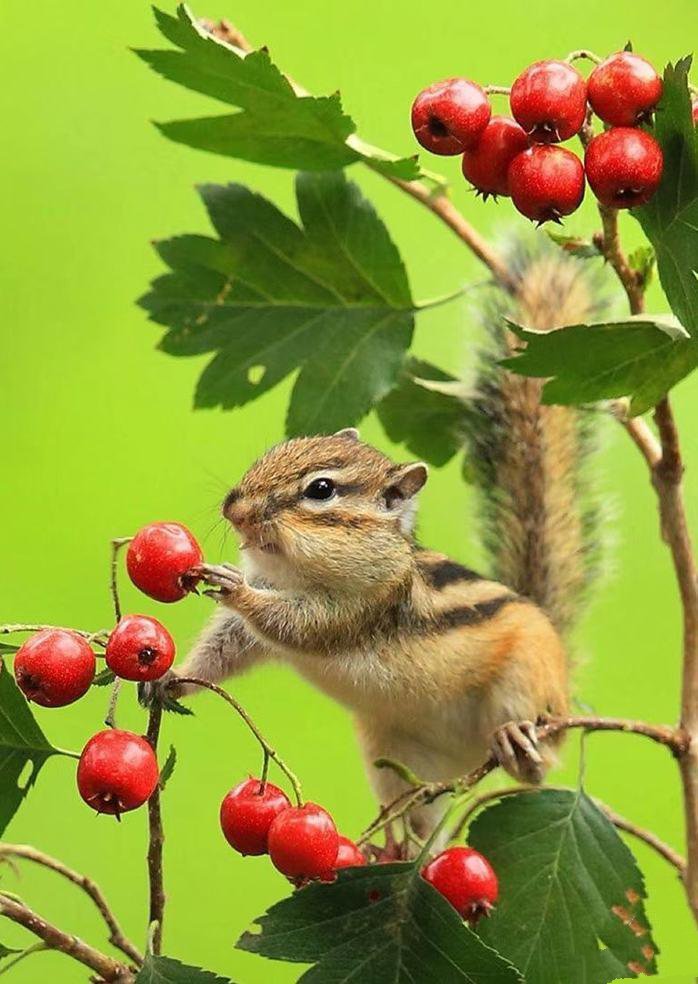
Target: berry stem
x,y
116,935
110,719
497,90
116,544
581,54
266,747
156,840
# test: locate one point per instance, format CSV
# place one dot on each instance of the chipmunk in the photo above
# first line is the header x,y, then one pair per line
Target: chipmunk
x,y
439,666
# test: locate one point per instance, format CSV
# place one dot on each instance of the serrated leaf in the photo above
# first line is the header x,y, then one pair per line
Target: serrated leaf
x,y
21,741
640,358
104,678
165,970
382,922
585,249
274,125
670,218
426,420
570,893
168,768
269,297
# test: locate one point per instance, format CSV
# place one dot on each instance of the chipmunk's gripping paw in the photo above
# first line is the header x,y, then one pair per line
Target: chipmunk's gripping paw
x,y
515,746
225,577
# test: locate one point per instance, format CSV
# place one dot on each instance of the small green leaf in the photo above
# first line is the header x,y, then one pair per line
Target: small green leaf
x,y
670,218
168,768
274,125
382,922
425,419
7,951
104,678
331,298
644,261
640,358
21,741
585,249
570,893
165,970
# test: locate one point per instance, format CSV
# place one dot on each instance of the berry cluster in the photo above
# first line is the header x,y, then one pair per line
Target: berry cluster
x,y
519,156
118,770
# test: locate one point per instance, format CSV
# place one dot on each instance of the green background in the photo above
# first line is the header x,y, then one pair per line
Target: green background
x,y
98,436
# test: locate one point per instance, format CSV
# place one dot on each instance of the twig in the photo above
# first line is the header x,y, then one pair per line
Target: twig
x,y
110,719
477,804
583,53
116,544
156,839
117,937
613,253
651,839
108,968
99,637
266,747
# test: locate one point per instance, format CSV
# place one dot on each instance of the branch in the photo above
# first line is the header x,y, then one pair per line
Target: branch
x,y
156,840
116,544
269,752
107,968
117,937
100,637
611,249
651,839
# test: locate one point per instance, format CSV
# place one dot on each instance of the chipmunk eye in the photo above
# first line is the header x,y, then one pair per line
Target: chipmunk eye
x,y
320,488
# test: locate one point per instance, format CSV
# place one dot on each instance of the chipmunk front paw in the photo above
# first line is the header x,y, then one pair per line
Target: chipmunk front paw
x,y
225,577
515,746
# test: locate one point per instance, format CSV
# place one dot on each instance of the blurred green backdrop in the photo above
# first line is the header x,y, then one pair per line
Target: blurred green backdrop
x,y
98,436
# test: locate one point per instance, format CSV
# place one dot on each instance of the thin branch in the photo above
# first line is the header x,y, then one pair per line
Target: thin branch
x,y
613,253
116,544
583,53
100,637
116,935
477,804
651,839
266,747
156,840
108,968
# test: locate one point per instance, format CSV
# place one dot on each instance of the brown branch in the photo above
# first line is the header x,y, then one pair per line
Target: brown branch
x,y
156,840
116,544
613,253
107,968
269,751
117,937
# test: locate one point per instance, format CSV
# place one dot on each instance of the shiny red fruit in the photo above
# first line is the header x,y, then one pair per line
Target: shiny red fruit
x,y
54,668
546,183
303,842
466,879
117,771
694,110
449,116
160,558
486,165
348,855
247,813
624,89
140,648
624,167
549,100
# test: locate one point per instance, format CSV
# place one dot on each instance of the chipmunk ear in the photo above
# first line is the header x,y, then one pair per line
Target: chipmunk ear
x,y
349,432
405,483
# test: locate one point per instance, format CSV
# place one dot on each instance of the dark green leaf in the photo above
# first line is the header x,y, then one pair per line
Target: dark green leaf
x,y
6,647
274,125
570,898
21,741
165,970
269,297
670,219
169,767
585,249
382,924
426,420
640,358
104,678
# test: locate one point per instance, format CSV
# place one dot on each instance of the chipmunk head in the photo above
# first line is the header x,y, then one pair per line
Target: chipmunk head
x,y
327,510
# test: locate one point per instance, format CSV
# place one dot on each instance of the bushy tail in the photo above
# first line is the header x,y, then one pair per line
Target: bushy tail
x,y
541,528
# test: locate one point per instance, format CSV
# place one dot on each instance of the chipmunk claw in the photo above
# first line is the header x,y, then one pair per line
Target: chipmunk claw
x,y
225,577
515,746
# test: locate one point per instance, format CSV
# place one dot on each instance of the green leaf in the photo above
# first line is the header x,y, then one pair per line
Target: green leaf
x,y
640,358
21,741
570,893
165,970
424,419
168,768
104,678
274,125
269,297
6,647
381,923
7,951
585,249
670,219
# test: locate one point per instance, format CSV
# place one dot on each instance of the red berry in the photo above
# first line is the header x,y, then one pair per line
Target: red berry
x,y
160,558
303,842
549,100
624,166
247,813
466,879
117,771
348,855
624,89
694,110
486,165
54,667
546,183
450,115
140,648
